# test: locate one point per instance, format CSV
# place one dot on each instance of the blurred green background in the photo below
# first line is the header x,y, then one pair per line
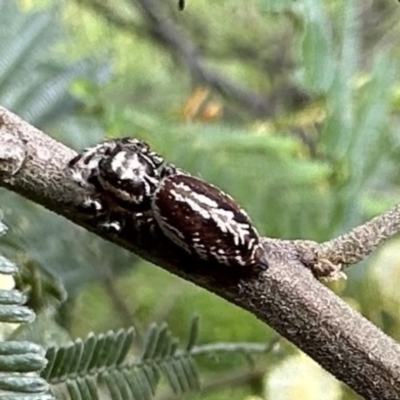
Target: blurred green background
x,y
292,107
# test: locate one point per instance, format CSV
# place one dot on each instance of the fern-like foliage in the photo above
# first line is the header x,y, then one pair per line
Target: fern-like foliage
x,y
20,362
31,81
88,367
85,369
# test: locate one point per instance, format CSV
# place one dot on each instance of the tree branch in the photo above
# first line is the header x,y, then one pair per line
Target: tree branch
x,y
286,296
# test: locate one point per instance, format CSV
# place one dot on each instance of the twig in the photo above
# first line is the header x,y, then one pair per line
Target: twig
x,y
330,258
354,246
286,296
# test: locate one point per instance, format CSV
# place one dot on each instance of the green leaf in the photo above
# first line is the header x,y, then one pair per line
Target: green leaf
x,y
193,333
317,54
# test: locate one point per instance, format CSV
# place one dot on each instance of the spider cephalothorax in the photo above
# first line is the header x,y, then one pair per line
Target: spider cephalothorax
x,y
129,177
197,216
85,166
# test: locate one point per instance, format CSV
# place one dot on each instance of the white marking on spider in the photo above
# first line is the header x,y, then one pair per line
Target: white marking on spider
x,y
77,177
152,180
118,161
191,203
225,220
134,169
112,225
251,243
91,203
201,198
93,163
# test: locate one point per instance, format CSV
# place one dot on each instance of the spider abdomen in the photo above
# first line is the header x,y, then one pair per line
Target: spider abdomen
x,y
203,220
